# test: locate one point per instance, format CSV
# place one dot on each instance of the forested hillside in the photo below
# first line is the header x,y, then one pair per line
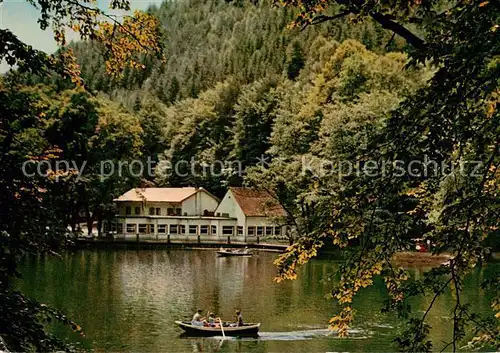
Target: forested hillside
x,y
207,42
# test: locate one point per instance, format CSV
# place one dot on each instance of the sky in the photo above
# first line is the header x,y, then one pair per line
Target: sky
x,y
21,18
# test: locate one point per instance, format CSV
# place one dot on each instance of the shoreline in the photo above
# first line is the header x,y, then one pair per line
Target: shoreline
x,y
404,258
173,244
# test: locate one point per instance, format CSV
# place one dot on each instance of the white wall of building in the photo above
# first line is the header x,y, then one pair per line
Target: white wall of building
x,y
264,222
199,202
162,226
231,221
194,205
260,221
144,207
229,206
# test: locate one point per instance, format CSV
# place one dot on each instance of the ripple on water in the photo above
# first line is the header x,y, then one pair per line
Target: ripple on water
x,y
299,335
309,334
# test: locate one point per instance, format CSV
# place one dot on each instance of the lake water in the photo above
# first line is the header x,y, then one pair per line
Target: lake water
x,y
128,300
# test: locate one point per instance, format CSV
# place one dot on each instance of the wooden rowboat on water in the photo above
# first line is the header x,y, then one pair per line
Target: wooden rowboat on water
x,y
225,253
245,330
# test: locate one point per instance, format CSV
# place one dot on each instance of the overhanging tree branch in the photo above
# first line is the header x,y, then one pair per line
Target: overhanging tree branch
x,y
323,18
384,20
400,30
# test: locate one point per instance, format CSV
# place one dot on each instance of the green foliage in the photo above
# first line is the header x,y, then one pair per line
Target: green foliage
x,y
242,126
25,321
42,125
46,126
253,118
30,217
206,42
198,131
381,118
295,61
151,117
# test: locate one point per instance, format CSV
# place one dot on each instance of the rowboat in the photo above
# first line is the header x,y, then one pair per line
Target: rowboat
x,y
245,330
225,253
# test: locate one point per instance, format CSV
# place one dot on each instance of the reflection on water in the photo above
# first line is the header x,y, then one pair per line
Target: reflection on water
x,y
129,300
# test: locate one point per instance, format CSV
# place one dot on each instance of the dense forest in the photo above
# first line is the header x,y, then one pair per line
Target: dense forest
x,y
208,42
318,115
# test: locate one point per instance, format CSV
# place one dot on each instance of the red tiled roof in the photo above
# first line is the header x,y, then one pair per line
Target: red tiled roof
x,y
256,203
159,194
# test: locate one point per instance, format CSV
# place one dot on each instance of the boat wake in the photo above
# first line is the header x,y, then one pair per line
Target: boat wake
x,y
309,334
300,335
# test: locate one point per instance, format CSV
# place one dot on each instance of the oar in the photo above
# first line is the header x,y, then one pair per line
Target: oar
x,y
223,334
222,328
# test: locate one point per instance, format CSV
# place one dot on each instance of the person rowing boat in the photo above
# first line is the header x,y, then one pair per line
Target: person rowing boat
x,y
213,321
216,327
239,318
198,319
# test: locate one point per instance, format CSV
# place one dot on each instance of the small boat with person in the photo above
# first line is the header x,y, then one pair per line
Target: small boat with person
x,y
214,326
250,329
235,252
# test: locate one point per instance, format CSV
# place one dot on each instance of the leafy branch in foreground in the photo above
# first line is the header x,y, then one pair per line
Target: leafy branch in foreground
x,y
27,324
453,121
41,211
124,38
35,211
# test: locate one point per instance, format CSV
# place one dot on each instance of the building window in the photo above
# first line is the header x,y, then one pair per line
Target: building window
x,y
182,229
260,230
170,211
151,211
240,230
204,230
251,230
227,230
130,228
269,230
128,210
119,228
151,228
214,230
162,228
143,228
193,229
277,230
178,211
173,229
137,210
158,211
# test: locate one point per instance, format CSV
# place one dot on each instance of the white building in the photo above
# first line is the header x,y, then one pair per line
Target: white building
x,y
188,212
256,212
